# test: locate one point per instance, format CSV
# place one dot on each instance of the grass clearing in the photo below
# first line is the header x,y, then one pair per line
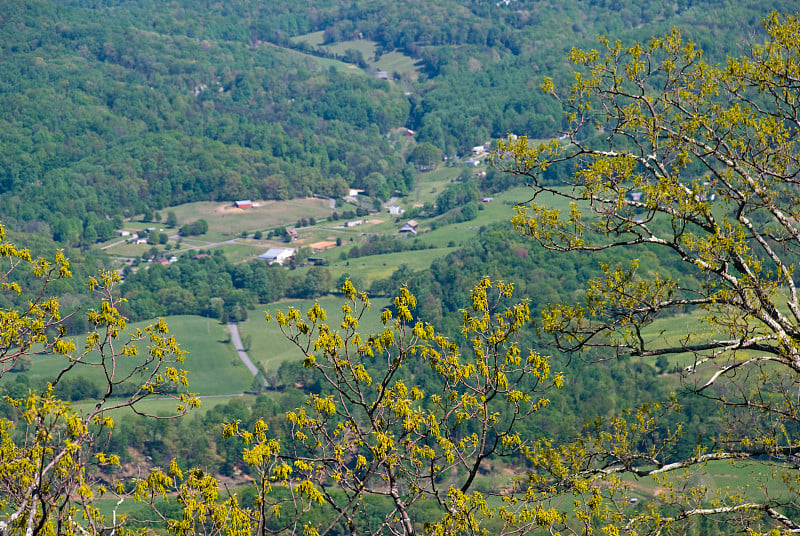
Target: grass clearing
x,y
397,62
718,476
312,39
374,267
226,221
270,348
364,46
391,62
213,365
313,63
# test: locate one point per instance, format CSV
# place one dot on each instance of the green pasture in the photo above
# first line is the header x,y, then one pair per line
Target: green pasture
x,y
130,250
313,39
397,62
241,252
314,63
753,478
676,330
270,348
364,46
374,267
430,184
330,231
225,221
213,365
166,407
391,62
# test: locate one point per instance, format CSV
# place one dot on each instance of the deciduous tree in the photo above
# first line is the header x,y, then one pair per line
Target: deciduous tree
x,y
700,163
52,455
372,448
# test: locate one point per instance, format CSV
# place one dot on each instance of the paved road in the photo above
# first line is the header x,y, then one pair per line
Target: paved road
x,y
237,343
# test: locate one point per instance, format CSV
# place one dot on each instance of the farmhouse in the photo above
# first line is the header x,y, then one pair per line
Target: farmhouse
x,y
277,255
395,210
410,227
244,203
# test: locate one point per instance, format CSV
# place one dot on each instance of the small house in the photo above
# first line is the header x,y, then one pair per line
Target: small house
x,y
395,210
353,223
353,192
410,227
244,203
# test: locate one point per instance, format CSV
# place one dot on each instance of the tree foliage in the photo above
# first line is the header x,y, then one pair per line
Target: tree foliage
x,y
698,162
53,463
372,432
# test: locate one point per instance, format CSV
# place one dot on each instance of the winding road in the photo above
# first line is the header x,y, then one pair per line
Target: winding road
x,y
237,344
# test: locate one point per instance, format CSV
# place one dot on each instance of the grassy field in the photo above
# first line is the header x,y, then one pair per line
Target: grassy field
x,y
226,225
365,47
268,345
314,63
432,183
719,476
375,267
226,221
312,39
397,62
214,368
391,62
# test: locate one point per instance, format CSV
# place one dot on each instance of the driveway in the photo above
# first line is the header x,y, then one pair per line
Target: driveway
x,y
237,344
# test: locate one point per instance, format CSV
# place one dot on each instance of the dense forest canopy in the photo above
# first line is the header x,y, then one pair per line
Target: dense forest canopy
x,y
113,109
117,108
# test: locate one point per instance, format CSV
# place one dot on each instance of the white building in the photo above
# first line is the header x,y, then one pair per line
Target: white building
x,y
277,255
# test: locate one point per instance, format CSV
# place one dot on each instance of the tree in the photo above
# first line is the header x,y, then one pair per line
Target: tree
x,y
699,163
54,468
172,220
425,156
197,227
370,448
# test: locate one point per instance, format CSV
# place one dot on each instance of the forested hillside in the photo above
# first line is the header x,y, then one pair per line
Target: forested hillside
x,y
119,108
518,300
